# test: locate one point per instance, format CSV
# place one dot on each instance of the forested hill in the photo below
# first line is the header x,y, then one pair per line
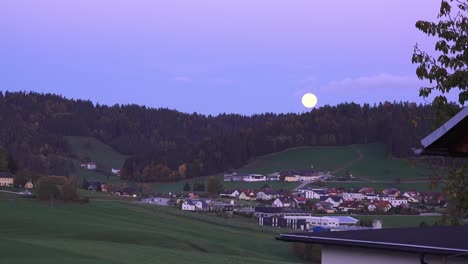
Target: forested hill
x,y
166,144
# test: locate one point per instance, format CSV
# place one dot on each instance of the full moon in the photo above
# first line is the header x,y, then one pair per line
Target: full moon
x,y
309,100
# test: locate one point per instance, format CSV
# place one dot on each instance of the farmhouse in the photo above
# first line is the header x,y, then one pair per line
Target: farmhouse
x,y
6,179
248,195
284,202
229,193
268,194
291,178
382,206
434,245
89,165
334,200
255,178
273,177
324,207
314,193
221,207
157,201
115,171
195,205
29,185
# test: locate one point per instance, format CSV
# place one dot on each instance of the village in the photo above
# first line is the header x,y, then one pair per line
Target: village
x,y
307,207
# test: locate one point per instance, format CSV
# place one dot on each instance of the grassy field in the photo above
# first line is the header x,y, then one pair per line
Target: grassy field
x,y
403,186
367,160
96,151
117,232
395,221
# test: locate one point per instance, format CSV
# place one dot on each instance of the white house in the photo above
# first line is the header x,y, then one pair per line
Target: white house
x,y
6,179
312,221
412,197
398,202
194,205
188,206
434,245
371,197
273,177
352,196
282,202
115,171
308,177
230,193
255,178
314,193
334,200
89,165
266,195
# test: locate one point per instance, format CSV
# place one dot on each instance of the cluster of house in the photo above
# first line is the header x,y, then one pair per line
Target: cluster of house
x,y
92,166
367,199
337,200
289,176
7,179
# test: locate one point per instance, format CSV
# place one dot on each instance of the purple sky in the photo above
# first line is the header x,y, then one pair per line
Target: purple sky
x,y
211,56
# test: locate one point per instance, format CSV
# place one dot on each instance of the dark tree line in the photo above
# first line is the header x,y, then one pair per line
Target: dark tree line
x,y
167,145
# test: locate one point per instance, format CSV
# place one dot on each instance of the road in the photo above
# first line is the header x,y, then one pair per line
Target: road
x,y
12,192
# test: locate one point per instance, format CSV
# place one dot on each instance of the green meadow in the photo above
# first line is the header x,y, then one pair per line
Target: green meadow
x,y
122,232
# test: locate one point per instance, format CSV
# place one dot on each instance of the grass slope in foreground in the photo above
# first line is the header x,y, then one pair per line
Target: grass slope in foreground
x,y
113,232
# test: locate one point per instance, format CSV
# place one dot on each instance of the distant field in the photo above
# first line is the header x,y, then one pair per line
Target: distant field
x,y
420,186
103,155
117,232
396,221
369,161
98,152
321,158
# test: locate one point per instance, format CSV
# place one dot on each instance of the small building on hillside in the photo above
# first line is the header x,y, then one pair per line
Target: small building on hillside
x,y
161,201
273,177
6,179
89,165
115,171
248,195
29,185
291,178
284,202
229,193
255,178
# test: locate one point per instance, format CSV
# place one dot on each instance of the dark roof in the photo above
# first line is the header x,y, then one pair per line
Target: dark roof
x,y
4,174
450,139
271,210
440,240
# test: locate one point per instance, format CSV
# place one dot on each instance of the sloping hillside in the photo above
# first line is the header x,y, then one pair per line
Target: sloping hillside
x,y
366,161
88,148
111,232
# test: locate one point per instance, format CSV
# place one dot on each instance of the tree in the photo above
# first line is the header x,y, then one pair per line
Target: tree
x,y
212,185
450,70
187,187
446,73
47,189
4,160
22,177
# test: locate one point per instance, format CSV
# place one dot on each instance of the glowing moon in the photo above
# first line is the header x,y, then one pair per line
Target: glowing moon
x,y
309,100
